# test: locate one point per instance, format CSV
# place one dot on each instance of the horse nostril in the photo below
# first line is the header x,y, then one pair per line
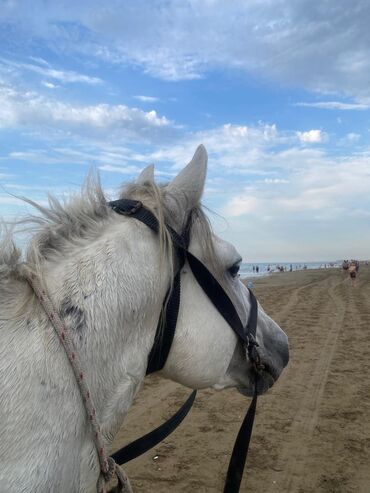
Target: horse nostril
x,y
274,373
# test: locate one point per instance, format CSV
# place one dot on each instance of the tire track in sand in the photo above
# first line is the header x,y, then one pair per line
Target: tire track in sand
x,y
294,299
295,449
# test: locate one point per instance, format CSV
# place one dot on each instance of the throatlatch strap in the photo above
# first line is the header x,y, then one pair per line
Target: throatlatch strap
x,y
166,330
167,323
151,439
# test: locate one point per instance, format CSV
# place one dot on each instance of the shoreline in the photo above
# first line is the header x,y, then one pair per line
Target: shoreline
x,y
249,269
263,274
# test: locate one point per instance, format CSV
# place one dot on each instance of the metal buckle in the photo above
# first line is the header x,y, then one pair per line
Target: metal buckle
x,y
135,208
253,354
127,212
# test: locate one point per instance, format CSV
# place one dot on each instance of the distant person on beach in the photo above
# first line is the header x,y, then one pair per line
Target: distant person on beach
x,y
257,269
352,270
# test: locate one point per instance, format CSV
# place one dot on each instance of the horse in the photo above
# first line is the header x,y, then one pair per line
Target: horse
x,y
107,276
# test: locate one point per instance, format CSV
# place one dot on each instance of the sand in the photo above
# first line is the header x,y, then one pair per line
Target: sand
x,y
312,430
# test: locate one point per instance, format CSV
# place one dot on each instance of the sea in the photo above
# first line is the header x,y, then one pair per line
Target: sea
x,y
248,270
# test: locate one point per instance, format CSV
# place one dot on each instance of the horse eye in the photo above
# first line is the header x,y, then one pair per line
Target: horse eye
x,y
234,269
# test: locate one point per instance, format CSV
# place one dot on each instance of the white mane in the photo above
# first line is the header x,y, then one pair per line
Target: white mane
x,y
66,223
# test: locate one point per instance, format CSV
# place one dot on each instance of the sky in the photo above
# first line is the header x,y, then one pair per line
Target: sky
x,y
278,92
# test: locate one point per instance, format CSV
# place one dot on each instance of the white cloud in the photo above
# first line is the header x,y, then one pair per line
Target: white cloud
x,y
4,176
106,157
39,61
336,105
353,137
49,85
9,200
147,99
268,189
311,136
240,205
315,47
327,188
30,109
123,170
233,147
276,181
63,76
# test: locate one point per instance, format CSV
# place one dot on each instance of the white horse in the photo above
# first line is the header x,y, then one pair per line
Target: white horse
x,y
108,276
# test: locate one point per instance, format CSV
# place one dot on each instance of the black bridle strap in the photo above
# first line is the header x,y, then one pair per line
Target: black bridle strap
x,y
135,209
151,439
166,326
225,307
206,280
219,298
160,349
163,339
240,451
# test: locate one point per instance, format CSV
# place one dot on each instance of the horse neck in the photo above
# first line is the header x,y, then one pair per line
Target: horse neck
x,y
111,310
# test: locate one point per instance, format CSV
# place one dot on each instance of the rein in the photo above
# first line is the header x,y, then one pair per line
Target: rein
x,y
109,466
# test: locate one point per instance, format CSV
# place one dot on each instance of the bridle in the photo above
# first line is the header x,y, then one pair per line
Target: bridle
x,y
158,355
165,334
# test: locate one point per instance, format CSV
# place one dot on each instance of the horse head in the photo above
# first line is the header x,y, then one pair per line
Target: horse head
x,y
107,278
205,351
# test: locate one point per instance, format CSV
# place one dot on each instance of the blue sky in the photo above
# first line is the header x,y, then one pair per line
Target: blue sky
x,y
277,91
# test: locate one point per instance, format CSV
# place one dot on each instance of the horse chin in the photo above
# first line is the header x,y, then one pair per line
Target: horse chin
x,y
264,382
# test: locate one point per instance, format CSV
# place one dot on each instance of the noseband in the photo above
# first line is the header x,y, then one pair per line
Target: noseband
x,y
165,334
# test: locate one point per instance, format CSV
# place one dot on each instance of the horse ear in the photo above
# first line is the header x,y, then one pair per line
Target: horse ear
x,y
189,183
147,175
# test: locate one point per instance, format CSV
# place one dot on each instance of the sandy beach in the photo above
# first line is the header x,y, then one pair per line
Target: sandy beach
x,y
312,430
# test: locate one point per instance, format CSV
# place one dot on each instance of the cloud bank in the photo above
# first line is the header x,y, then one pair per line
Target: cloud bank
x,y
311,45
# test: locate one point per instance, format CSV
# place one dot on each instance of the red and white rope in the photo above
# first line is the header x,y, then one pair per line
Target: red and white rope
x,y
108,468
